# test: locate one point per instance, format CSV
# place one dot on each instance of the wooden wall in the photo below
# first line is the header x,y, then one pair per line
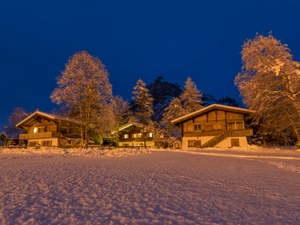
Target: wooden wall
x,y
212,123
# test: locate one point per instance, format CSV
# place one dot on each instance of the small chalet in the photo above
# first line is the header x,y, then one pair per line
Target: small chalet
x,y
3,139
44,130
214,126
132,134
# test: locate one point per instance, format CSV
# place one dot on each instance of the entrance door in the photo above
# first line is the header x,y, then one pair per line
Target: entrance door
x,y
198,144
235,142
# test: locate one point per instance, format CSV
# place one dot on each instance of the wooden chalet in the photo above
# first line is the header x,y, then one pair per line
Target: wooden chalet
x,y
45,130
3,139
214,126
132,134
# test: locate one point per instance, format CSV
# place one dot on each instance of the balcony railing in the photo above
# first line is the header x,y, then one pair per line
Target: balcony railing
x,y
40,135
134,139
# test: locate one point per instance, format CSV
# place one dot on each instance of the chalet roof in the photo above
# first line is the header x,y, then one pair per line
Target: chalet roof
x,y
3,134
30,119
129,125
212,107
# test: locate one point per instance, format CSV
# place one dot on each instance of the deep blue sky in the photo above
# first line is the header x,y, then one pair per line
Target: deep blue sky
x,y
134,39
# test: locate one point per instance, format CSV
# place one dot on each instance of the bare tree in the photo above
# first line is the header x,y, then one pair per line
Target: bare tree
x,y
84,87
16,117
269,82
120,115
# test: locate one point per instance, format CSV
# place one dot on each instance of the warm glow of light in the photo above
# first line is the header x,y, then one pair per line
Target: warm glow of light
x,y
35,130
150,134
126,136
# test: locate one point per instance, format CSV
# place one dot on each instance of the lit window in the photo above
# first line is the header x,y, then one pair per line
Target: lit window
x,y
138,135
150,134
35,130
126,136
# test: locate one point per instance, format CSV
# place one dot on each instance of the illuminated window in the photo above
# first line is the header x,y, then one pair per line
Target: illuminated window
x,y
138,135
150,134
35,130
197,127
126,136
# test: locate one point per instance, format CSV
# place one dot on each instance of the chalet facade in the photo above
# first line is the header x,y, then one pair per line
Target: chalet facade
x,y
48,130
214,126
132,134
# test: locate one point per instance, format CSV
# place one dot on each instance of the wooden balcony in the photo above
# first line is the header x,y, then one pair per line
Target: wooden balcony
x,y
240,133
40,135
134,139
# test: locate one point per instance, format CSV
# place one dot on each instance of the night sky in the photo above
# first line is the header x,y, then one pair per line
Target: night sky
x,y
134,39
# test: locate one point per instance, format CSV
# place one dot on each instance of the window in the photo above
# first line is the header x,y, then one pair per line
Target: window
x,y
235,142
197,127
35,130
231,126
235,125
150,135
194,143
239,125
32,143
126,136
138,135
46,143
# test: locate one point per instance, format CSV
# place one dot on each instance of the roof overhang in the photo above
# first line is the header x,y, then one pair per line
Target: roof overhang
x,y
3,134
30,119
212,107
128,125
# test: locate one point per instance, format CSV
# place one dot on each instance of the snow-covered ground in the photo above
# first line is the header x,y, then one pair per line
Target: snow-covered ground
x,y
223,186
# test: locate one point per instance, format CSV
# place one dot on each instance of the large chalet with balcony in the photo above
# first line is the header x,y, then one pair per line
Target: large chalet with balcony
x,y
45,130
214,126
132,134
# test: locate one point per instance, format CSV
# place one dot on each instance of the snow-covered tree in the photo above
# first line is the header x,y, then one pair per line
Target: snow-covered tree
x,y
84,87
173,111
16,117
269,81
191,97
143,102
120,114
163,92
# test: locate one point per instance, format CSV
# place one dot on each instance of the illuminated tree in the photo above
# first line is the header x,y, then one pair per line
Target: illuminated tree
x,y
84,87
191,97
269,83
143,101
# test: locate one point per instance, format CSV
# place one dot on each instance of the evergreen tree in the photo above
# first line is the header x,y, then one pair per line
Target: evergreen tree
x,y
162,92
143,102
191,97
173,111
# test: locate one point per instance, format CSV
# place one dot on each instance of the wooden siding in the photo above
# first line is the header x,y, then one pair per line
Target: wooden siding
x,y
214,120
200,134
40,135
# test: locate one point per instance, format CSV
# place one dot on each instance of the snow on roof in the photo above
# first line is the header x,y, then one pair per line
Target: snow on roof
x,y
211,107
128,125
4,134
48,115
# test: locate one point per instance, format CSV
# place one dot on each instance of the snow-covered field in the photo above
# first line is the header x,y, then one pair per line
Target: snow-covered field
x,y
223,186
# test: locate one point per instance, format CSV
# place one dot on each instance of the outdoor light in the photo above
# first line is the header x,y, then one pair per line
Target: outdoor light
x,y
35,130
